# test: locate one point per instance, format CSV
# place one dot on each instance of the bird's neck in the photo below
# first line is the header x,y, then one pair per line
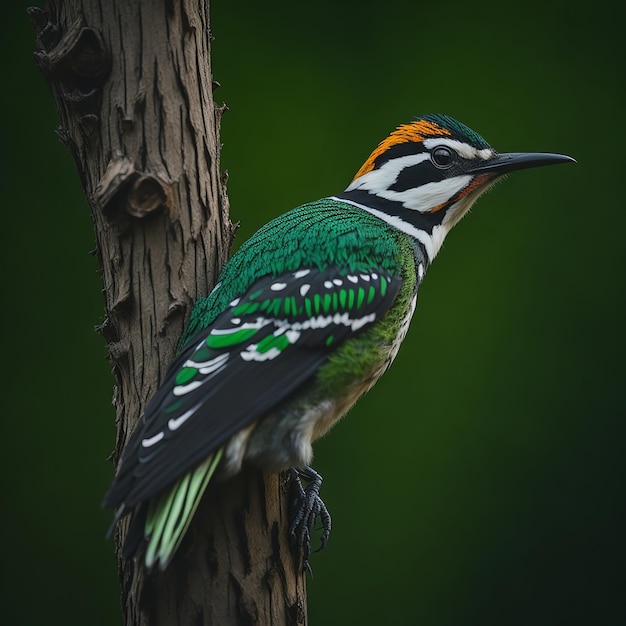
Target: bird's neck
x,y
428,229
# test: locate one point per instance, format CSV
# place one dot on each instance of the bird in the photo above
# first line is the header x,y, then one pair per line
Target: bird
x,y
304,319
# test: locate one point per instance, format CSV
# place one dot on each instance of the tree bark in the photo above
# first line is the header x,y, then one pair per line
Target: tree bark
x,y
132,83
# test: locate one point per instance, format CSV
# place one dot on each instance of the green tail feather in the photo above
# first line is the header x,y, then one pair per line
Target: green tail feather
x,y
170,514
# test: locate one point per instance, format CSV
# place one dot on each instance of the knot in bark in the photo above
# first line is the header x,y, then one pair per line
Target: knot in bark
x,y
147,194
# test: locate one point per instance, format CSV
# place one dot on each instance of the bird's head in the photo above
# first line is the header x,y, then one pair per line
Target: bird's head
x,y
427,174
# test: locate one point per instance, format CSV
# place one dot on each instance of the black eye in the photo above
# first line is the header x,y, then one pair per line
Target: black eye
x,y
443,157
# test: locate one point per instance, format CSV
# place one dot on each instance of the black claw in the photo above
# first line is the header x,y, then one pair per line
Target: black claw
x,y
305,508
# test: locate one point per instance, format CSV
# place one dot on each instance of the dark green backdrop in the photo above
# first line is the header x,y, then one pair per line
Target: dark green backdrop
x,y
480,483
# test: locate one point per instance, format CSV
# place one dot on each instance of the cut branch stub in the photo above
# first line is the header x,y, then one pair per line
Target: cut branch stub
x,y
79,54
146,195
88,56
124,189
78,60
119,174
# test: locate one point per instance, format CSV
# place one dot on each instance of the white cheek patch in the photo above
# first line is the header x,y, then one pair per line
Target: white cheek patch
x,y
428,196
462,149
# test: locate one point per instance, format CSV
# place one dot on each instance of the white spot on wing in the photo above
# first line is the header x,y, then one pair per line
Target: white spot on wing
x,y
150,441
218,363
304,290
251,354
356,324
323,321
211,363
301,273
328,284
259,323
293,336
175,422
235,302
278,286
181,390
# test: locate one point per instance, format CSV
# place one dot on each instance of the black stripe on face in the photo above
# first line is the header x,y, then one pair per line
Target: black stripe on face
x,y
424,221
418,175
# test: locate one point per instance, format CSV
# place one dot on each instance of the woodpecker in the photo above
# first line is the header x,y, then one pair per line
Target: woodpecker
x,y
305,317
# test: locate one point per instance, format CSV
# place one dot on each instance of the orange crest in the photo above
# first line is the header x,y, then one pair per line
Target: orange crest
x,y
415,131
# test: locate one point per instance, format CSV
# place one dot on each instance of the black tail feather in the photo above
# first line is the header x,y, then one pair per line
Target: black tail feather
x,y
135,540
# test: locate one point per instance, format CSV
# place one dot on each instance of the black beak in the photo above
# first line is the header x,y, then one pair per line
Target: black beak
x,y
513,161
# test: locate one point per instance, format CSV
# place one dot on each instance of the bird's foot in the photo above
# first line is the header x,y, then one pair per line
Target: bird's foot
x,y
305,508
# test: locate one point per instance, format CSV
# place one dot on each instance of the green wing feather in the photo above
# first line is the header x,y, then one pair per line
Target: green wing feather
x,y
170,514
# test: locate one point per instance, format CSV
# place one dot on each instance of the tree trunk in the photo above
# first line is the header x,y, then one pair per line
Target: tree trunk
x,y
133,87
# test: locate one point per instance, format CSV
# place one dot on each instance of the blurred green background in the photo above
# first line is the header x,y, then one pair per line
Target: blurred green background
x,y
481,482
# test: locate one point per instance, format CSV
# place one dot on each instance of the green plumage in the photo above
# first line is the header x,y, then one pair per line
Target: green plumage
x,y
318,234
